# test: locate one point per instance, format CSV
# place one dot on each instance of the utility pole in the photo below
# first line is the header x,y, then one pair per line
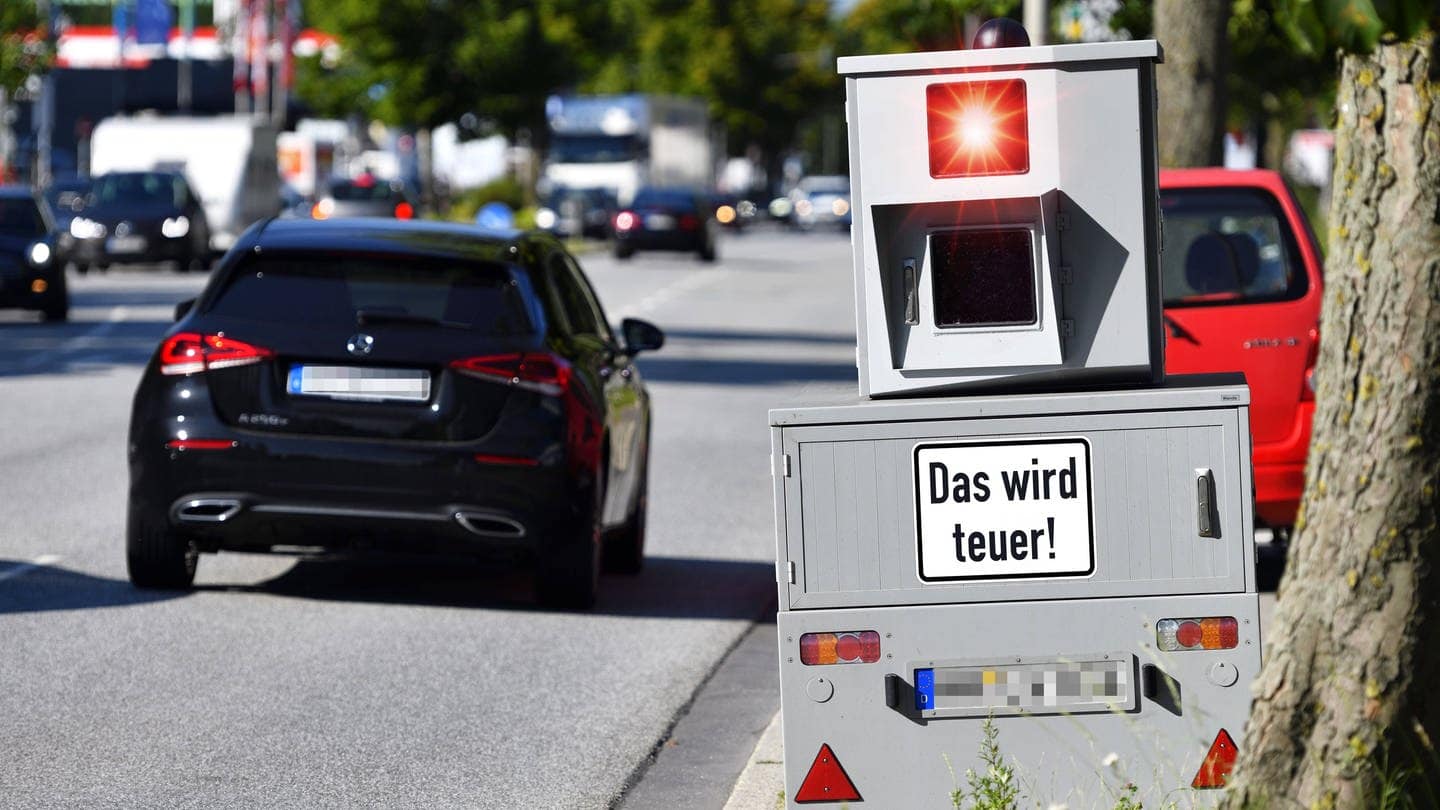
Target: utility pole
x,y
183,86
45,106
1037,21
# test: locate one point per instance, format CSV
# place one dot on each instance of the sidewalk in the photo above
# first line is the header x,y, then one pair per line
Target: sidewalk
x,y
761,785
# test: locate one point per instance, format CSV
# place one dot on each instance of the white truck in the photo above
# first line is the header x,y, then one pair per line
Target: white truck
x,y
230,162
625,142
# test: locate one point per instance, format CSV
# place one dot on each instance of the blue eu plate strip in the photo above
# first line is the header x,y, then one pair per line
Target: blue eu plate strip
x,y
292,383
924,689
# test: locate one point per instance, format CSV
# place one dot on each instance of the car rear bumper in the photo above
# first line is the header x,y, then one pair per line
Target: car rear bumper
x,y
1280,471
661,240
158,249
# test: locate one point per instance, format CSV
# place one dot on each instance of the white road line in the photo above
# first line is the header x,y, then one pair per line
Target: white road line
x,y
43,561
116,315
656,299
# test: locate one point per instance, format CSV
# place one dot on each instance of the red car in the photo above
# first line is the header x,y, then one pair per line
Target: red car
x,y
1241,276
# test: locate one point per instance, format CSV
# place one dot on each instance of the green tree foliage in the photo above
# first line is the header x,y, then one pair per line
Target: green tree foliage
x,y
23,50
1355,26
898,26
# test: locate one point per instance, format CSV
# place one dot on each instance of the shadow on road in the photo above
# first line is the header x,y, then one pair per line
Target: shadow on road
x,y
46,588
669,587
726,371
41,348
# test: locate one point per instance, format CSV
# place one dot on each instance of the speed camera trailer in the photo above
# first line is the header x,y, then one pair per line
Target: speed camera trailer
x,y
1058,545
1006,217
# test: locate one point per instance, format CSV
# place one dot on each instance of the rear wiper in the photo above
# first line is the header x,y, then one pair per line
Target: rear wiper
x,y
367,316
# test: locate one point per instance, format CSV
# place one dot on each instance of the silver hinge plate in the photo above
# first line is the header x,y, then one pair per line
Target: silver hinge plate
x,y
785,467
790,571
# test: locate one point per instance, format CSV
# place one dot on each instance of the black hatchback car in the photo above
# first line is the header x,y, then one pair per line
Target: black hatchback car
x,y
141,217
412,387
667,219
32,276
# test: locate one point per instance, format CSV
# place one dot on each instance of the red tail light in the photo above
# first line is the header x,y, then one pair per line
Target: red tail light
x,y
1218,764
689,222
404,211
200,444
978,128
189,353
626,220
1210,633
534,371
850,647
1307,390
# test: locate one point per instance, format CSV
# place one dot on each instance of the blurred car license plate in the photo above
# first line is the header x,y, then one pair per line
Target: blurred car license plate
x,y
659,222
353,382
1089,683
125,244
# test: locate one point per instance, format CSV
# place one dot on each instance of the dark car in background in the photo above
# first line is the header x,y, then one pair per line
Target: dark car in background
x,y
667,219
425,388
141,218
31,275
67,197
363,196
577,212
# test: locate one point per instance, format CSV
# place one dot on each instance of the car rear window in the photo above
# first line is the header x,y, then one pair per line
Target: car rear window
x,y
21,216
1227,246
334,289
360,192
677,200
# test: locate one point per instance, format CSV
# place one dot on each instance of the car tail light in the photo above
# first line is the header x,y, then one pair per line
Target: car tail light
x,y
1307,390
689,222
507,461
978,128
848,647
1213,633
200,444
533,371
1218,764
190,353
626,220
404,210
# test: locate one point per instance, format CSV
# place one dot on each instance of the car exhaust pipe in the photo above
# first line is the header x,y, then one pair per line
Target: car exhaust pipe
x,y
207,510
488,525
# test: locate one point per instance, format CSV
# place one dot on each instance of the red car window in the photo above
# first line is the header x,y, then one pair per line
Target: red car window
x,y
1225,247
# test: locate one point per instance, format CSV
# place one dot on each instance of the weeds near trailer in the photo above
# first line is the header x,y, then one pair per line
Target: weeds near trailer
x,y
995,788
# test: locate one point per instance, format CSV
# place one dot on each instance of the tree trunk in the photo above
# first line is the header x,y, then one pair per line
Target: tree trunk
x,y
1348,691
1191,118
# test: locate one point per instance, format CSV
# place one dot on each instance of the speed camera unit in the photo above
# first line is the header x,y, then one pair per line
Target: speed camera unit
x,y
1006,226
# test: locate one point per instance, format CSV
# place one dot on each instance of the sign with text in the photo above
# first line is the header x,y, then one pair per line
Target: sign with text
x,y
1004,509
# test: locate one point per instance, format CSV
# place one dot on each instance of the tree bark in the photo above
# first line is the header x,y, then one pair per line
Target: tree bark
x,y
1348,690
1191,82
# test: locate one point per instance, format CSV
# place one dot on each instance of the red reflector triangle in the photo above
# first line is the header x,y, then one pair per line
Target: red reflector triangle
x,y
1218,763
826,781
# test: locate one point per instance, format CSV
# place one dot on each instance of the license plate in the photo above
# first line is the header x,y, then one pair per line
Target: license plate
x,y
659,222
1072,684
1010,509
125,244
359,383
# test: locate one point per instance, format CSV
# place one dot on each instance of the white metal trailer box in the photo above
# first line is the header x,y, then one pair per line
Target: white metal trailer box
x,y
1077,566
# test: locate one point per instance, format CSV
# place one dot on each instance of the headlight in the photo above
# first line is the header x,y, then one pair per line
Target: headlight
x,y
82,228
839,208
39,254
175,227
545,218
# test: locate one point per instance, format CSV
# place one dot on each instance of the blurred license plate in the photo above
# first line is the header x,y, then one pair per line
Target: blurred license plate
x,y
659,222
125,244
352,382
1091,683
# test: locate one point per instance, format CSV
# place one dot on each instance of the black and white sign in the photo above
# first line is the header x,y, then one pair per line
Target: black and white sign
x,y
1004,509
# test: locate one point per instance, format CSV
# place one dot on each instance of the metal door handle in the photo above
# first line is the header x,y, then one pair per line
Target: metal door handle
x,y
912,297
1207,516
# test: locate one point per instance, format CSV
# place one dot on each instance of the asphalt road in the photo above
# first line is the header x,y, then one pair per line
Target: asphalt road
x,y
336,684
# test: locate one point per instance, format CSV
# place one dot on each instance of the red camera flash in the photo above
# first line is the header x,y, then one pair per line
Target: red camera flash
x,y
978,128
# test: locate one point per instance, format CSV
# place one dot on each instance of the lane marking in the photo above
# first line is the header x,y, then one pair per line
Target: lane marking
x,y
662,296
116,316
43,561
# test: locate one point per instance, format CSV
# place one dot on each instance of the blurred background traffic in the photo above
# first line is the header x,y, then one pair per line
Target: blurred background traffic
x,y
211,114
